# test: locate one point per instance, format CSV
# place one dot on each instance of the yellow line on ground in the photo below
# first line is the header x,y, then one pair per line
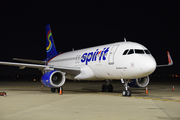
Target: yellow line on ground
x,y
156,99
143,97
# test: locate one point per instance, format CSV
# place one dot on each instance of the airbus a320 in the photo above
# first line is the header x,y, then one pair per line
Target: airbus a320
x,y
129,62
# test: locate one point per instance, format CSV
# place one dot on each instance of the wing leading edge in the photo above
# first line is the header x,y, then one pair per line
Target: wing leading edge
x,y
69,70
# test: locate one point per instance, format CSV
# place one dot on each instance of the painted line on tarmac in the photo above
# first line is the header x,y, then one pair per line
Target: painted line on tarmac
x,y
143,97
156,99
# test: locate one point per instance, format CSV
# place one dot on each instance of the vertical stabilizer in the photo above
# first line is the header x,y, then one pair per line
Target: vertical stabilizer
x,y
50,46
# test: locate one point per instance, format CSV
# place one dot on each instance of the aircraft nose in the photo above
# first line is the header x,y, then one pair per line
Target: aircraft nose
x,y
148,65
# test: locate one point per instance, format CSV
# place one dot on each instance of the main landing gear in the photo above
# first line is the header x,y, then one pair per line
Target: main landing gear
x,y
126,92
107,87
58,89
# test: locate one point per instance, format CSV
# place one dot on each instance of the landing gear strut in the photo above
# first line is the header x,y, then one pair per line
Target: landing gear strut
x,y
107,87
53,89
126,92
58,89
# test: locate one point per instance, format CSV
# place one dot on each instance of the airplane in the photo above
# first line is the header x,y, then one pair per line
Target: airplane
x,y
129,62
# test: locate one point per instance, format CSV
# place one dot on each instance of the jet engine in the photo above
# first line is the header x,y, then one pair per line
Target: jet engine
x,y
53,78
140,82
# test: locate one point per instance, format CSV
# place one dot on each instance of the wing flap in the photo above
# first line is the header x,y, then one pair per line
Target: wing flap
x,y
30,61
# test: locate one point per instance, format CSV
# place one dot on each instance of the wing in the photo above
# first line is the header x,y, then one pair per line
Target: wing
x,y
30,61
69,70
170,62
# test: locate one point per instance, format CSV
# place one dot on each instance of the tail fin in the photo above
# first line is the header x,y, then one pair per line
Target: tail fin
x,y
50,46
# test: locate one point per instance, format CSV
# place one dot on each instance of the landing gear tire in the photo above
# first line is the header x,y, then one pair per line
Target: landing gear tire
x,y
104,88
107,87
110,88
58,89
129,93
126,93
53,89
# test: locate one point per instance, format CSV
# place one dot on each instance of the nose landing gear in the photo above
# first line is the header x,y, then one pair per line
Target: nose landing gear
x,y
126,92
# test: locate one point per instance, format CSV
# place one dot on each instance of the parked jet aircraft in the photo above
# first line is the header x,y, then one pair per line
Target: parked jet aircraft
x,y
129,62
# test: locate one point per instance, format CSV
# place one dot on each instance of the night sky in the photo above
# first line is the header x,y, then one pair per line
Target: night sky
x,y
84,24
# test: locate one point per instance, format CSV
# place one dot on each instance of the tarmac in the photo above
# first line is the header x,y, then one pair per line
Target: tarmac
x,y
83,100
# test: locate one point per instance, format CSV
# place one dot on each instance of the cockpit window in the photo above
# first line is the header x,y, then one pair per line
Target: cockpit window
x,y
125,52
138,51
131,51
147,52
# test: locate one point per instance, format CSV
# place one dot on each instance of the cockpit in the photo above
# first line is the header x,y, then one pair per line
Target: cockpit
x,y
135,51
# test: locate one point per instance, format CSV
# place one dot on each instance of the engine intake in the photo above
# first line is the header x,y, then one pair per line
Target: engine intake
x,y
53,78
140,82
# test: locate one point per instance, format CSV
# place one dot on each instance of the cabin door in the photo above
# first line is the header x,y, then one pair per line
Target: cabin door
x,y
112,53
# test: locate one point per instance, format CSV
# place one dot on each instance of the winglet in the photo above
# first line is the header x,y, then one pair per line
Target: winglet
x,y
170,62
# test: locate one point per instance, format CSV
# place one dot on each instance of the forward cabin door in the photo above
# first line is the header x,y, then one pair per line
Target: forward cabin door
x,y
112,53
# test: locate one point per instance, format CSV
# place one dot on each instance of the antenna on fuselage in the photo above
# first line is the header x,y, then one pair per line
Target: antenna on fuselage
x,y
124,39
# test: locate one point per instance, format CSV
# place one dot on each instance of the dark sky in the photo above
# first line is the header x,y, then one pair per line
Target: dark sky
x,y
84,24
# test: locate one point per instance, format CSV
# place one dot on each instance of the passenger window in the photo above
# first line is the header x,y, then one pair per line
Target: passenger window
x,y
125,52
138,51
131,52
147,52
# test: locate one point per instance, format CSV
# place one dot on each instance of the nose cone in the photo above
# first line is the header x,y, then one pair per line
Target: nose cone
x,y
147,65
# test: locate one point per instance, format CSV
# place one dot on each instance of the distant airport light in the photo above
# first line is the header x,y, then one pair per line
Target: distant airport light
x,y
34,80
175,75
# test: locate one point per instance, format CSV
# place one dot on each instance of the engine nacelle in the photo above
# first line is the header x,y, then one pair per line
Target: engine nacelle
x,y
140,82
53,78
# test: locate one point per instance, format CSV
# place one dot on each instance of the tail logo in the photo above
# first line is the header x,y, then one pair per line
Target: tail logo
x,y
50,43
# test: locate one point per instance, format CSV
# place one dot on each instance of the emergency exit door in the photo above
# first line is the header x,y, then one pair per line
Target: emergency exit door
x,y
112,53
